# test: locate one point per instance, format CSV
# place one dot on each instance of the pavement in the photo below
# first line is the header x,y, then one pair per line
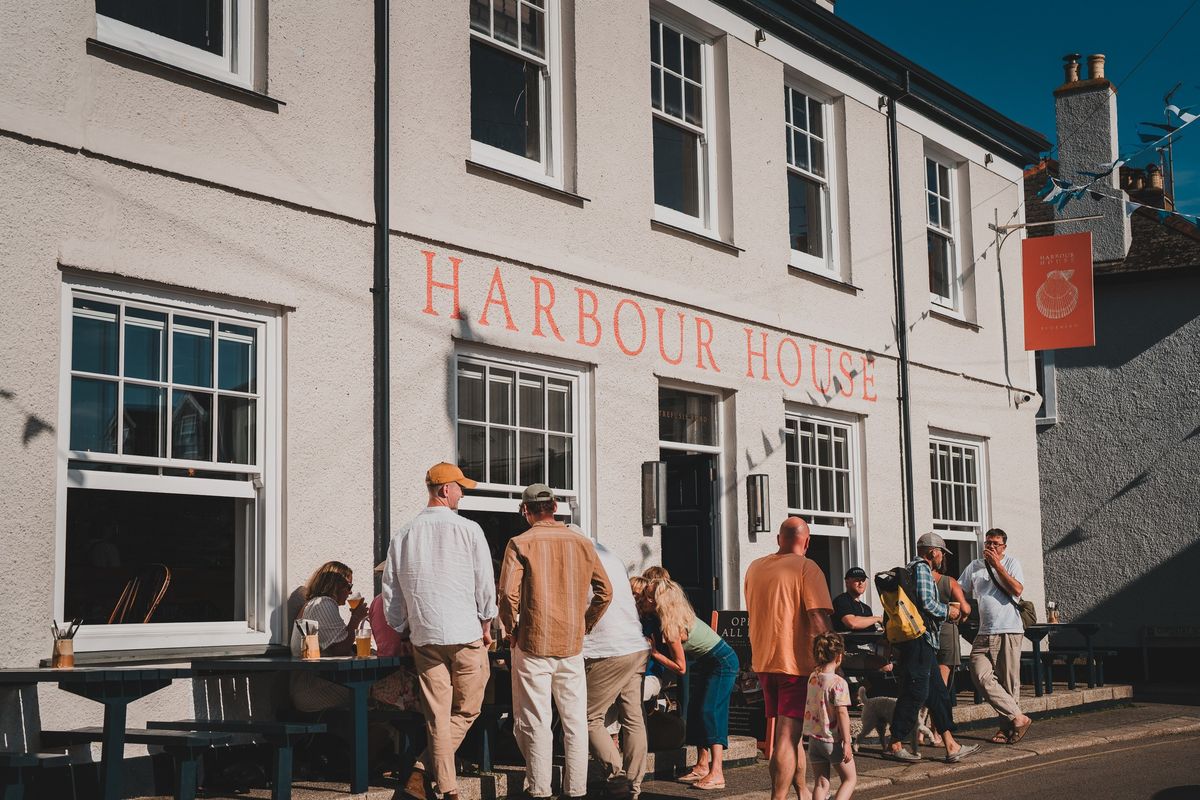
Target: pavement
x,y
1069,731
1059,729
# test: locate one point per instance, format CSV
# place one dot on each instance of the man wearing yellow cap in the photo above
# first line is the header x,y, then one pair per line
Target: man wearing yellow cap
x,y
439,591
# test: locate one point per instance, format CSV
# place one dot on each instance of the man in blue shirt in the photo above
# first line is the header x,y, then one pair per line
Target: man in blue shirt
x,y
916,663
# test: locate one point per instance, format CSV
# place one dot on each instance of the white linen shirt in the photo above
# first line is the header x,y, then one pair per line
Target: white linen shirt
x,y
997,612
619,631
438,583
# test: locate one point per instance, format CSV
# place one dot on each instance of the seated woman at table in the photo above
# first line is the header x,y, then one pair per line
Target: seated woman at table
x,y
694,647
326,590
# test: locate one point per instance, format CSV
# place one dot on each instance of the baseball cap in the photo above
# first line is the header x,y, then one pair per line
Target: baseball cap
x,y
933,542
448,473
856,572
536,493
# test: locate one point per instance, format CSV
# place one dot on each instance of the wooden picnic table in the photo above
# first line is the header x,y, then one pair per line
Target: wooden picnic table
x,y
116,688
356,674
1036,633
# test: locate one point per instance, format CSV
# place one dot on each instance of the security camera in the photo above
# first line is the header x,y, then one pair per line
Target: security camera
x,y
1025,398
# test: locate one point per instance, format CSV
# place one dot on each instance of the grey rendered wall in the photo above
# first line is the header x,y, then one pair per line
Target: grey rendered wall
x,y
1120,495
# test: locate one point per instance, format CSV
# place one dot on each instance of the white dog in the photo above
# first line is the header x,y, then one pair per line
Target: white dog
x,y
877,718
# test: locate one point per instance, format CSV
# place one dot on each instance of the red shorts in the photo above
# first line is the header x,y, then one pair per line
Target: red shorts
x,y
784,695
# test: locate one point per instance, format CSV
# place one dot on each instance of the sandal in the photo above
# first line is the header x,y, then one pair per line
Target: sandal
x,y
1019,732
692,777
1001,737
700,784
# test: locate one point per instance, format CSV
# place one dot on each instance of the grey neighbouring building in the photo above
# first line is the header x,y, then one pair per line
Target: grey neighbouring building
x,y
1119,429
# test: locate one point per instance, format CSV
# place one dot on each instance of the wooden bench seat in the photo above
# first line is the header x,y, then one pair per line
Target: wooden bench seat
x,y
280,736
184,748
18,768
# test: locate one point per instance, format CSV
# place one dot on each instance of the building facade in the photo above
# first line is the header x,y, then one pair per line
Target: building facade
x,y
1117,433
587,273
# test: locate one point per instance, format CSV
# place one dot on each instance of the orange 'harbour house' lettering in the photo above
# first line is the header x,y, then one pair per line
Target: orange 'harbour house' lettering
x,y
831,370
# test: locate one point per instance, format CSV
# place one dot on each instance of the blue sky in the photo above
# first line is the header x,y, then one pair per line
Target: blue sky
x,y
1009,55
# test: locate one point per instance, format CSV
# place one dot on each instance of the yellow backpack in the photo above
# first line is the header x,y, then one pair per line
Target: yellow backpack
x,y
903,621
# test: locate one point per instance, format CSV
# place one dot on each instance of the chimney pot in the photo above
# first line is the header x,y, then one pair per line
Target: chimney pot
x,y
1096,66
1071,68
1154,180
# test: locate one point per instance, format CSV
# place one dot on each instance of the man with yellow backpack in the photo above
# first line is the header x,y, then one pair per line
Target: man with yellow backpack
x,y
910,596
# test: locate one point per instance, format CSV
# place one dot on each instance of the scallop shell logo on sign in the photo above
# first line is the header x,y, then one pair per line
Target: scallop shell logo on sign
x,y
1057,296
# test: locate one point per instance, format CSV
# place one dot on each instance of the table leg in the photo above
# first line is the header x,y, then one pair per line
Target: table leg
x,y
358,735
113,752
1037,668
1091,662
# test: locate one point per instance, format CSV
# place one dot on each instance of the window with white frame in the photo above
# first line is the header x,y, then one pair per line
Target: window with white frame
x,y
941,234
956,477
211,37
1047,386
168,532
515,86
681,68
517,424
822,488
809,212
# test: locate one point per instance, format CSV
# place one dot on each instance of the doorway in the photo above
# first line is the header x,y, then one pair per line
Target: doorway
x,y
689,537
689,443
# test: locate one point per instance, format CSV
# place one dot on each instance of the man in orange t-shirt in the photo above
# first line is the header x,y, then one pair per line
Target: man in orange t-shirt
x,y
787,599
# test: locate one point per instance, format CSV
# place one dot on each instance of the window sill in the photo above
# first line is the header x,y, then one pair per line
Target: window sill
x,y
700,238
953,319
520,181
170,654
1046,422
161,69
825,280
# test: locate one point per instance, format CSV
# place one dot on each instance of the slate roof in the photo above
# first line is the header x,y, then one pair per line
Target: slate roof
x,y
1171,244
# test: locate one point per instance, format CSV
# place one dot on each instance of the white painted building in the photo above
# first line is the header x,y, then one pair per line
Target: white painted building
x,y
587,274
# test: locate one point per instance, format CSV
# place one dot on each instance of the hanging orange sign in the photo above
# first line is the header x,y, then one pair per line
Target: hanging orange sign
x,y
1059,299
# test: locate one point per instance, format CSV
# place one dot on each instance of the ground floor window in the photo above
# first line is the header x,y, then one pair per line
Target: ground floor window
x,y
822,488
518,422
957,481
167,527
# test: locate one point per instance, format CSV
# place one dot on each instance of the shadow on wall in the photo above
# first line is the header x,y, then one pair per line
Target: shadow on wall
x,y
1164,596
1130,317
34,425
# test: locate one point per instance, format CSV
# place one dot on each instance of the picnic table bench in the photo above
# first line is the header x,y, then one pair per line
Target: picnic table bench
x,y
17,768
281,737
183,747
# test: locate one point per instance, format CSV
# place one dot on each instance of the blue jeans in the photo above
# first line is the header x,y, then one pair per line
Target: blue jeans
x,y
712,676
920,685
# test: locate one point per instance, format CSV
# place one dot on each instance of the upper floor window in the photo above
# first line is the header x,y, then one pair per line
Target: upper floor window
x,y
680,99
809,228
170,419
209,37
942,234
957,484
515,77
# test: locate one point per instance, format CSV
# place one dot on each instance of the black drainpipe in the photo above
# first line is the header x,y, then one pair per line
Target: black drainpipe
x,y
383,418
910,513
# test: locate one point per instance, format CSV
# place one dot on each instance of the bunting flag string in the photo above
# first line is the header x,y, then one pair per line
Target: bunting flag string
x,y
1058,192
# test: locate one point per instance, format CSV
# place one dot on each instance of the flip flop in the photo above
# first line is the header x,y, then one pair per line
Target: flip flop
x,y
1019,732
963,752
708,787
1001,737
692,777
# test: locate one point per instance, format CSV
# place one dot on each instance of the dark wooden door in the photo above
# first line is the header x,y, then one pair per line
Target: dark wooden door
x,y
689,537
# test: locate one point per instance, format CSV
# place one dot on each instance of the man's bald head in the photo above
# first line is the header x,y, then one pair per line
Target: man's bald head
x,y
793,536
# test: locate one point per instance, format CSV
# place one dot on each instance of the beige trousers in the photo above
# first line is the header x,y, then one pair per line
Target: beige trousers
x,y
996,670
452,678
541,684
618,680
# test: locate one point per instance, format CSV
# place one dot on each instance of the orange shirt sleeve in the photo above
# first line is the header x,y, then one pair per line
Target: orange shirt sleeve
x,y
815,592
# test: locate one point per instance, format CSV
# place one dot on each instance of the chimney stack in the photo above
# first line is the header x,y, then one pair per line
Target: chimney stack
x,y
1086,120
